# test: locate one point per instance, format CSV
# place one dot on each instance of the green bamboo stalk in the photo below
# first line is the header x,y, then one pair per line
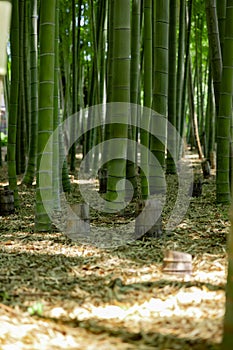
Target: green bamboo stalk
x,y
120,93
135,51
102,51
226,109
56,119
221,14
110,51
210,118
160,95
215,51
228,318
147,97
224,117
21,122
192,112
45,117
31,164
27,76
13,108
171,142
180,70
131,165
186,66
74,80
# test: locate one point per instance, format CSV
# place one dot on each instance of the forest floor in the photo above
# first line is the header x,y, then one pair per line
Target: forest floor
x,y
58,294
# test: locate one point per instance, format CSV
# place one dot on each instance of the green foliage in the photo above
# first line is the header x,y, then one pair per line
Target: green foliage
x,y
36,309
4,139
4,296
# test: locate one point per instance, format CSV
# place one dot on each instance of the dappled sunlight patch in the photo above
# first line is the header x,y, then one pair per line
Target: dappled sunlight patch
x,y
191,309
29,334
116,298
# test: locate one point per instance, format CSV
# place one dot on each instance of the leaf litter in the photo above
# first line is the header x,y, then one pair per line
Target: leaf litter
x,y
58,294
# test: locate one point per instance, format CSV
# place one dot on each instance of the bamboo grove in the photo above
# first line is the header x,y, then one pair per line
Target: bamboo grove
x,y
168,56
172,57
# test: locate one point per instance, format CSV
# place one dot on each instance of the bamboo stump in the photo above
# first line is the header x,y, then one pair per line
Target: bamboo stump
x,y
213,159
78,225
177,262
6,201
205,165
195,189
149,223
102,176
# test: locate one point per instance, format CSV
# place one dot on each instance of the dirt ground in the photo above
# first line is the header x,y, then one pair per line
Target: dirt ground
x,y
58,294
